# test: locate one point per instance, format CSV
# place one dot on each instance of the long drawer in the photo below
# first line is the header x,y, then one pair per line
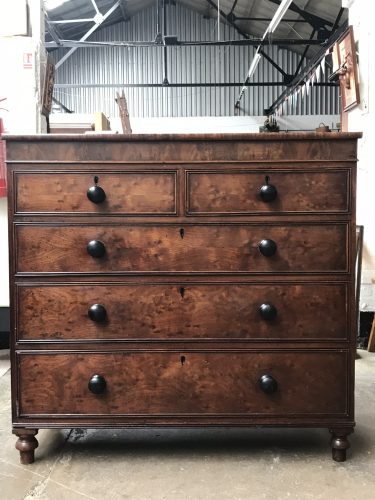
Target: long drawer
x,y
215,248
133,193
306,311
278,383
240,192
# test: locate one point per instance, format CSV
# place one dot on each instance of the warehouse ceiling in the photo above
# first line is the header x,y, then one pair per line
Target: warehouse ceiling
x,y
308,27
304,20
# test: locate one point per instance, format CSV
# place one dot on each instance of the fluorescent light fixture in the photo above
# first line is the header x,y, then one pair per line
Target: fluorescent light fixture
x,y
254,65
279,14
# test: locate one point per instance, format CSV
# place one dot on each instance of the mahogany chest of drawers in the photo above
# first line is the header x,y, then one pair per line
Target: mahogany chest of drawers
x,y
202,280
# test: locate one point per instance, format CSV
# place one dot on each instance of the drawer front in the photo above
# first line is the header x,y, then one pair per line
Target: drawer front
x,y
183,383
174,249
239,192
134,193
180,312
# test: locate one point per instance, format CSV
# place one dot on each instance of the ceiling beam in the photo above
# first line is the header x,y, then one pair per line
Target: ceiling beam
x,y
67,110
178,85
286,78
337,21
124,9
233,6
99,19
54,31
304,53
174,42
306,71
95,6
165,52
235,18
73,21
227,18
316,22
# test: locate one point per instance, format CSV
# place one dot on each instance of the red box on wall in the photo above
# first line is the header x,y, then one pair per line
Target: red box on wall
x,y
3,188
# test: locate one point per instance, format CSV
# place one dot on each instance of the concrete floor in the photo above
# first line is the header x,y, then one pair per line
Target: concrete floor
x,y
198,465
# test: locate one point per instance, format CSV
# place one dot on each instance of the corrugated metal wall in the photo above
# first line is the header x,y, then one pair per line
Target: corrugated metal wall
x,y
109,67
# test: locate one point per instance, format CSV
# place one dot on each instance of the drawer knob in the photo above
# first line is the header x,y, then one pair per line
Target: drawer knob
x,y
267,248
97,384
96,248
268,193
268,384
96,194
97,313
268,312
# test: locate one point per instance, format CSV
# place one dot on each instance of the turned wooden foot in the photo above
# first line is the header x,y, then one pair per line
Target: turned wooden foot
x,y
340,443
26,444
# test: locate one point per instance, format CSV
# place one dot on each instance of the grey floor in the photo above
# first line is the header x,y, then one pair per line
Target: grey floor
x,y
198,465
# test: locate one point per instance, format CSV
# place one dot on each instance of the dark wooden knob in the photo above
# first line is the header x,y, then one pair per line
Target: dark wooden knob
x,y
97,313
267,248
268,312
97,384
96,248
268,193
96,194
268,384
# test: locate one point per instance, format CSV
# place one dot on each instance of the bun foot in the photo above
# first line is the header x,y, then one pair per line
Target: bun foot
x,y
338,455
340,443
26,444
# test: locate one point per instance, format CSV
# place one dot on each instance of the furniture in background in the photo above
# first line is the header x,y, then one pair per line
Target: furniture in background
x,y
171,280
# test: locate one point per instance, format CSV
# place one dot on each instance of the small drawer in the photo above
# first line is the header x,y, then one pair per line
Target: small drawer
x,y
165,312
292,383
128,193
220,248
246,192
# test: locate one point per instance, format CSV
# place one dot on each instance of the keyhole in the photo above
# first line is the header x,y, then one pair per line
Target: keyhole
x,y
267,179
182,291
96,179
182,232
182,359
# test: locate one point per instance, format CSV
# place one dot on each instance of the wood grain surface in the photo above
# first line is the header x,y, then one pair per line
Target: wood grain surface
x,y
204,249
197,148
127,192
181,312
184,383
238,192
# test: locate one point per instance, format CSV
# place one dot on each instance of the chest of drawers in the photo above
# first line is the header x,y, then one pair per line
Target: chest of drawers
x,y
182,281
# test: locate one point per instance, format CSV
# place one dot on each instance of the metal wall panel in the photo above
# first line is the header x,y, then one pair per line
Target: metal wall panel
x,y
108,68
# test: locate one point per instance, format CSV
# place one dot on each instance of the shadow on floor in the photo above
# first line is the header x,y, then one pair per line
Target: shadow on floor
x,y
185,442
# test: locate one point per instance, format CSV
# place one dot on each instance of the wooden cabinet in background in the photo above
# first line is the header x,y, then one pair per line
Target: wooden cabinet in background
x,y
198,280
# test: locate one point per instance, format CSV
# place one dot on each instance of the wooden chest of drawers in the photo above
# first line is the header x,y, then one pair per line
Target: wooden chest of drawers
x,y
182,281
